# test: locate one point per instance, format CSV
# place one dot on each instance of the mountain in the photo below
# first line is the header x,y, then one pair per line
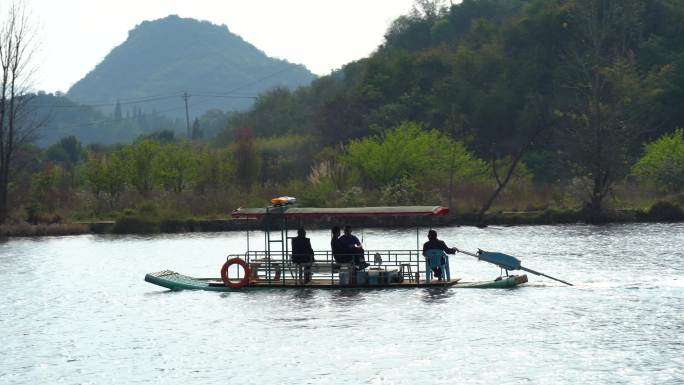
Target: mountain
x,y
162,59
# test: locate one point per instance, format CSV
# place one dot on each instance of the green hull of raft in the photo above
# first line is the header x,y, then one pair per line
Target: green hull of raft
x,y
175,281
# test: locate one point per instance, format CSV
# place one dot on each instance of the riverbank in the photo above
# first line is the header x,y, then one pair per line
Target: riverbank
x,y
132,224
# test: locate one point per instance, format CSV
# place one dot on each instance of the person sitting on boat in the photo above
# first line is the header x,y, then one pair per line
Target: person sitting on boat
x,y
302,254
352,247
338,251
435,244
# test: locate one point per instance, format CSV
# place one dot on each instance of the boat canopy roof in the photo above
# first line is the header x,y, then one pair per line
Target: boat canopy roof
x,y
341,212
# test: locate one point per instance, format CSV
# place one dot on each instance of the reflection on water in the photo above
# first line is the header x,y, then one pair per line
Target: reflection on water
x,y
303,295
347,297
76,310
436,294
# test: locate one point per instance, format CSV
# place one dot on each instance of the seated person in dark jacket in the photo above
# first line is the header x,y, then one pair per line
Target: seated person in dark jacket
x,y
339,252
302,253
435,244
352,246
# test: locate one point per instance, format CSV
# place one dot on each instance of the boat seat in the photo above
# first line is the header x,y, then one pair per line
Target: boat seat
x,y
405,271
436,258
325,267
278,265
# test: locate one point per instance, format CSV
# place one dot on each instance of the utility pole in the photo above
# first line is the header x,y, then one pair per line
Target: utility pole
x,y
187,116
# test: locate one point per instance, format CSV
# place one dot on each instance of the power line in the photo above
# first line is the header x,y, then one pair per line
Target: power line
x,y
185,95
131,101
152,98
226,96
141,101
133,98
144,114
259,80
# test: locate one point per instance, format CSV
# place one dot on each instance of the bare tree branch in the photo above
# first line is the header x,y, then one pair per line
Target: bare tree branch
x,y
17,126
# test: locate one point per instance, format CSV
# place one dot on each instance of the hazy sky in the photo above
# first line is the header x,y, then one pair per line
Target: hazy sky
x,y
75,35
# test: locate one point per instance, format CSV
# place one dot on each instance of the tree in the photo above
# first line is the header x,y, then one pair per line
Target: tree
x,y
174,166
212,122
197,132
603,88
139,158
94,172
68,150
215,170
115,178
534,121
427,9
17,126
161,136
45,191
410,152
106,175
117,111
246,160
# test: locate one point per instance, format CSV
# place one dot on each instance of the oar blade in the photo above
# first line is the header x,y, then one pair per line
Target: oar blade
x,y
507,262
502,260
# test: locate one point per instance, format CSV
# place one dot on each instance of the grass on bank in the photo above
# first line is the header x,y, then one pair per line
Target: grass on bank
x,y
170,214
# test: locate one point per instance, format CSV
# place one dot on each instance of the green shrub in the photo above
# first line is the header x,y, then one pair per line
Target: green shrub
x,y
148,209
178,225
409,151
663,162
135,225
561,216
665,211
319,194
128,212
172,226
27,230
403,192
354,197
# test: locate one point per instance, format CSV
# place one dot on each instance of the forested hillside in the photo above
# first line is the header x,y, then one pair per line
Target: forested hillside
x,y
163,58
572,88
488,66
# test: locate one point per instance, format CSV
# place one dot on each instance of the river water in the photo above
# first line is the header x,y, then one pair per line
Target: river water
x,y
75,310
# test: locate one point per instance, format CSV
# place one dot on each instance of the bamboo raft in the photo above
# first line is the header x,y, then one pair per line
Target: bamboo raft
x,y
273,268
175,281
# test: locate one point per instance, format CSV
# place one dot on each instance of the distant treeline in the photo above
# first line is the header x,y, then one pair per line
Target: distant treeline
x,y
59,117
160,178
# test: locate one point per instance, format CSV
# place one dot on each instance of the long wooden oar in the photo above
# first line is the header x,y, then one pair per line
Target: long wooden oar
x,y
507,262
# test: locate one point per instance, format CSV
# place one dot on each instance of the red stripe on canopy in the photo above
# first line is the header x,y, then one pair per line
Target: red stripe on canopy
x,y
341,212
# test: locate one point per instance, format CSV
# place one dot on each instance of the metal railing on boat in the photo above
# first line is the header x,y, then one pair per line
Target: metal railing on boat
x,y
277,268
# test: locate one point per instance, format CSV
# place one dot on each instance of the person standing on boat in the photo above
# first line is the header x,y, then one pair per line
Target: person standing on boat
x,y
352,246
302,254
435,244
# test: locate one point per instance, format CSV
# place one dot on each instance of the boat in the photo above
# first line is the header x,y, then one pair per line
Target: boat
x,y
272,267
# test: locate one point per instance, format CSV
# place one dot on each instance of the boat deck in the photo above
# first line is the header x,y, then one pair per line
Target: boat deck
x,y
327,283
175,281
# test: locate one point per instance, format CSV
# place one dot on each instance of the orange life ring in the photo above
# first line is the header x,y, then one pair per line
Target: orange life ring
x,y
240,283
